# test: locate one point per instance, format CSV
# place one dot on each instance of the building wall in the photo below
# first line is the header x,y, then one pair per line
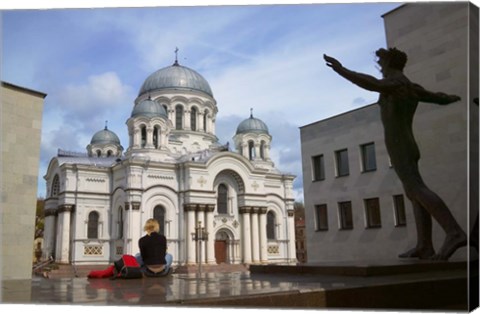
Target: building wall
x,y
435,37
21,121
350,131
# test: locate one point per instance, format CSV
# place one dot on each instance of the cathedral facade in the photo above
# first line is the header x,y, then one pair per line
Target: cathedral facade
x,y
174,170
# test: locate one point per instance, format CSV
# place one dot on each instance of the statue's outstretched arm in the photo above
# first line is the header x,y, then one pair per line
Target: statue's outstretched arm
x,y
434,98
365,81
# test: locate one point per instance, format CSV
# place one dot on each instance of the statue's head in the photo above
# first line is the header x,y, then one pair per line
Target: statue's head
x,y
392,58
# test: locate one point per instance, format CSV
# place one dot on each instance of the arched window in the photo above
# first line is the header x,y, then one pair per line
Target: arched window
x,y
159,215
143,130
193,119
179,117
55,186
251,150
222,199
120,223
99,153
156,131
205,115
270,225
109,153
92,231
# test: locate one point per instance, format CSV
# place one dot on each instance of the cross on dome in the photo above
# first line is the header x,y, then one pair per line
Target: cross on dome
x,y
176,56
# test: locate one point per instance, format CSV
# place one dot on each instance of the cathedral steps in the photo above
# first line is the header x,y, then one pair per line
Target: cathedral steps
x,y
70,271
219,268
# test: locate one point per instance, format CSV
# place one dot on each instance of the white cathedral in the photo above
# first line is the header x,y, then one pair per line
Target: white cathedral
x,y
174,170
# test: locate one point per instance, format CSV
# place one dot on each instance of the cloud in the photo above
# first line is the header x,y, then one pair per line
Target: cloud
x,y
76,112
87,105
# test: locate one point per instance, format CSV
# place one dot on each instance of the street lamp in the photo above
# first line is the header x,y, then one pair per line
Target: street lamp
x,y
198,236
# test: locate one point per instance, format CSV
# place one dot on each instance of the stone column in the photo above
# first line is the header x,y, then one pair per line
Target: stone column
x,y
49,233
190,209
247,241
211,236
291,237
133,229
267,152
206,128
212,125
149,142
186,117
171,115
229,243
245,150
130,138
63,246
201,122
201,222
230,205
263,235
137,138
257,151
127,230
137,226
162,138
255,236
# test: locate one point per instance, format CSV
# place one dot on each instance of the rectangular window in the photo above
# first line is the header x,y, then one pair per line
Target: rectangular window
x,y
321,217
372,211
399,208
369,162
345,215
318,168
341,158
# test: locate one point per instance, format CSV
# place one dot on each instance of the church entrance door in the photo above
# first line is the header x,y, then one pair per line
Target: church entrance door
x,y
221,251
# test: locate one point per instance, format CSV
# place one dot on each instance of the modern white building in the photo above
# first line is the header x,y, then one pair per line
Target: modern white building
x,y
175,170
355,206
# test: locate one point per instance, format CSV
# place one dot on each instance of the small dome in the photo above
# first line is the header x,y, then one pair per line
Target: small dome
x,y
105,136
149,108
252,125
175,77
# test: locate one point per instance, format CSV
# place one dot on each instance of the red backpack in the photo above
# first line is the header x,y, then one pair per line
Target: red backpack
x,y
127,267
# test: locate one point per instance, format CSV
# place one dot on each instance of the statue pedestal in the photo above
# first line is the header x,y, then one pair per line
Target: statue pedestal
x,y
394,285
362,268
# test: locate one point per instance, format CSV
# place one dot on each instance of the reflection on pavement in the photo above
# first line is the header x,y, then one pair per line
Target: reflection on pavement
x,y
145,291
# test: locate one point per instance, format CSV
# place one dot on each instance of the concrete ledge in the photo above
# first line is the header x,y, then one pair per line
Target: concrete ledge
x,y
359,269
445,294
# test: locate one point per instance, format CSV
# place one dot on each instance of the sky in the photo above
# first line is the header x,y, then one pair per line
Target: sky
x,y
91,63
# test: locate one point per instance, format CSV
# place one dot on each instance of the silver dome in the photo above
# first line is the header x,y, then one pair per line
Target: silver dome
x,y
252,125
148,108
175,77
105,136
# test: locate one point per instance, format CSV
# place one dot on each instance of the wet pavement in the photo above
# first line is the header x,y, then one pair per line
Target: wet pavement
x,y
247,290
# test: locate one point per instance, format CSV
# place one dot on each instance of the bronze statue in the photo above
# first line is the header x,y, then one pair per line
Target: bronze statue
x,y
399,98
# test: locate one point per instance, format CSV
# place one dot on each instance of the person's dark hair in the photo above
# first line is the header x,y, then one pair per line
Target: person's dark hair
x,y
396,58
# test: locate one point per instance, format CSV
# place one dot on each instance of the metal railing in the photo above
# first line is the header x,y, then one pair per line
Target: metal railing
x,y
43,264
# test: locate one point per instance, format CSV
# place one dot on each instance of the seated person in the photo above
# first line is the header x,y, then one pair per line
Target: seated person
x,y
153,256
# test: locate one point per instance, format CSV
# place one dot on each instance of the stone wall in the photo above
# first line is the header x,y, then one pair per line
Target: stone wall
x,y
21,122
